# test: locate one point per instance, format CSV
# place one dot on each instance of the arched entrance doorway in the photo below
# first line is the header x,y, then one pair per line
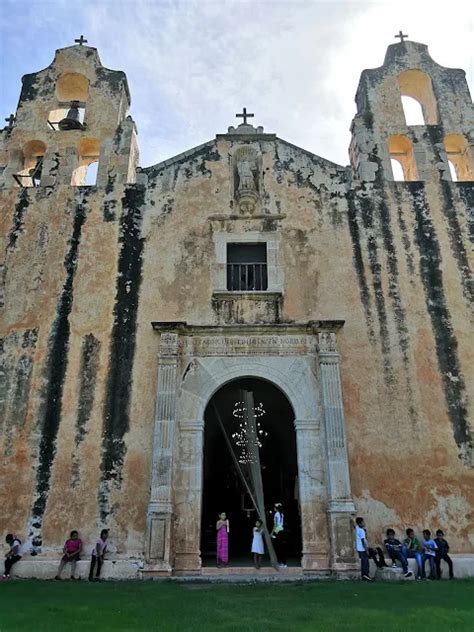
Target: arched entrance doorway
x,y
223,488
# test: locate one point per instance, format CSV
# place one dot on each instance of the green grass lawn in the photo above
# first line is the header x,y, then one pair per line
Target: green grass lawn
x,y
326,605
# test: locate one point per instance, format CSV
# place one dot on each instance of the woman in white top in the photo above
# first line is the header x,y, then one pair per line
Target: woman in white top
x,y
257,543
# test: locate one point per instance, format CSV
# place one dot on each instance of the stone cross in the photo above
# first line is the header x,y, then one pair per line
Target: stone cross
x,y
401,36
244,115
10,120
81,40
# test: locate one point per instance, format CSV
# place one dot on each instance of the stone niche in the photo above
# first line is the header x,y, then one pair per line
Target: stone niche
x,y
246,176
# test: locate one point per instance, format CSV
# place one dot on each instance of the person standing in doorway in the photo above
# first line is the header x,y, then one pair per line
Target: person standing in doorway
x,y
222,528
257,543
278,534
98,553
362,548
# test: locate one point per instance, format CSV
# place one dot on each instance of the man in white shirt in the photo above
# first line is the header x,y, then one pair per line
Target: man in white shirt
x,y
362,549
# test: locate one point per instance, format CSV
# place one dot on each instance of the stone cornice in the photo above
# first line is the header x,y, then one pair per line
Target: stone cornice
x,y
310,327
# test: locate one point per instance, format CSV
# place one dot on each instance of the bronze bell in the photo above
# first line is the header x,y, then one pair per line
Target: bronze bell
x,y
71,120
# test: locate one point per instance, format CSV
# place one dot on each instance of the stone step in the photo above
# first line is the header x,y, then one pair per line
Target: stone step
x,y
207,571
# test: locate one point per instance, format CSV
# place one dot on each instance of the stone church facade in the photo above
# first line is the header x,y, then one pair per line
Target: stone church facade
x,y
128,304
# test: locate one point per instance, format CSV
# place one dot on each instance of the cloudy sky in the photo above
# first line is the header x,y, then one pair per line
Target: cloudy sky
x,y
192,65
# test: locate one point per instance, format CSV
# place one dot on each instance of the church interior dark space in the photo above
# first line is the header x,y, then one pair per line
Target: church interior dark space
x,y
223,488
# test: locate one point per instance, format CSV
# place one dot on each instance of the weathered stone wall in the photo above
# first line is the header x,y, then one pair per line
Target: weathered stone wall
x,y
85,270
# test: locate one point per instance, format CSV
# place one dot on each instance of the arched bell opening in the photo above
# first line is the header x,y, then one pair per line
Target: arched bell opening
x,y
402,156
72,92
224,461
459,158
417,85
85,173
32,164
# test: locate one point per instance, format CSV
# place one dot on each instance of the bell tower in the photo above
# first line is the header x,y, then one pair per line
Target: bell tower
x,y
71,125
413,120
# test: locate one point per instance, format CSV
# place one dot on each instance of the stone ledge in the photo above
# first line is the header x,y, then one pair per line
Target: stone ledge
x,y
463,567
47,569
121,569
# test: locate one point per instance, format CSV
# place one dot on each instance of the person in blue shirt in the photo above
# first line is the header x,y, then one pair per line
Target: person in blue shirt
x,y
429,552
396,551
442,554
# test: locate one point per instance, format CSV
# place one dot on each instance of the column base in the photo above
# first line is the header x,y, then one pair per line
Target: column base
x,y
342,539
188,564
158,540
315,562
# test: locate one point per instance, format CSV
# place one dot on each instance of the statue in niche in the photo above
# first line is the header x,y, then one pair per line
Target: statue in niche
x,y
246,179
246,170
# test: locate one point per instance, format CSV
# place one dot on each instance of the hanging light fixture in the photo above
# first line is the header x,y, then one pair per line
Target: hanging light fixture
x,y
248,434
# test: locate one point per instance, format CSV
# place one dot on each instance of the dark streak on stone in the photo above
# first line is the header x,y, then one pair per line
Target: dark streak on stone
x,y
359,263
29,89
56,365
466,193
87,381
445,339
405,236
367,215
436,135
88,376
19,402
394,294
18,217
122,347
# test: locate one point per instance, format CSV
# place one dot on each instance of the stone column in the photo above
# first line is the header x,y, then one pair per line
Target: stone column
x,y
312,494
188,496
160,510
340,504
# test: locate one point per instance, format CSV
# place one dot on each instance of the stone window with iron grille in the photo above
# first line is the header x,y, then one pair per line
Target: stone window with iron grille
x,y
247,267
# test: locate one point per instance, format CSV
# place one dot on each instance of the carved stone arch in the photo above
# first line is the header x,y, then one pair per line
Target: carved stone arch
x,y
293,376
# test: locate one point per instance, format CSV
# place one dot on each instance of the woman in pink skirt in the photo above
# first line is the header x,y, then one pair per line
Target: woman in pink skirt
x,y
222,528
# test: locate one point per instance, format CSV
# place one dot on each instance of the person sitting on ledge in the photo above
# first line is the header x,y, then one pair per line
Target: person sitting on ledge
x,y
430,549
71,553
13,555
395,550
412,549
442,554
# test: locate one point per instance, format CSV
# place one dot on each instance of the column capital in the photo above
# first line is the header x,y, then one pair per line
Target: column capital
x,y
168,344
341,505
327,343
307,424
159,507
191,425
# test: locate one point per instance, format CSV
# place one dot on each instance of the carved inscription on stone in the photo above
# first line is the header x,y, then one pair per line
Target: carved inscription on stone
x,y
252,345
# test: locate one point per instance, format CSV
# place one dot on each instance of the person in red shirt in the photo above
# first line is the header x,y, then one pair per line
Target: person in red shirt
x,y
71,554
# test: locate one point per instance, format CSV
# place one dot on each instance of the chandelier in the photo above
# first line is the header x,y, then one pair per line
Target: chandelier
x,y
250,433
